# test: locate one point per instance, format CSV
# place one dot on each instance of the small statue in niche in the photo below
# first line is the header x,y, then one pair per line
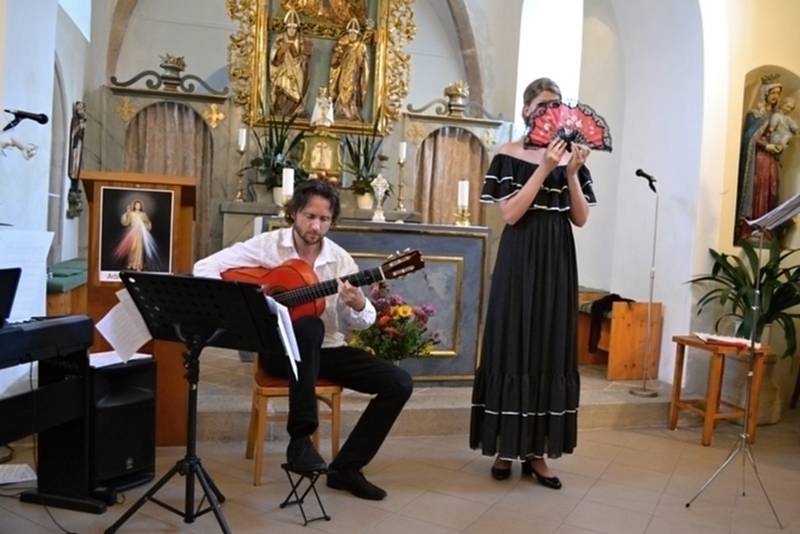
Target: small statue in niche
x,y
349,73
323,109
288,67
77,128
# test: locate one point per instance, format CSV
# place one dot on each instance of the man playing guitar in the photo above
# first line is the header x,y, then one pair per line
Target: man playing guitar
x,y
323,351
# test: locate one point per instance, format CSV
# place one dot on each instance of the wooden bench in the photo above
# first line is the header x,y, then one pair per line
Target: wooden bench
x,y
623,336
66,288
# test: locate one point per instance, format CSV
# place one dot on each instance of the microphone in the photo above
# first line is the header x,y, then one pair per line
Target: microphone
x,y
651,180
41,118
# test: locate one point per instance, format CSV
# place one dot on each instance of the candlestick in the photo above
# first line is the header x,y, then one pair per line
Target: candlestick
x,y
462,217
463,193
239,195
241,145
400,206
287,183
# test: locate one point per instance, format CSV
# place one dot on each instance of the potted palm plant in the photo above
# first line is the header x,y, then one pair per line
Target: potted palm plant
x,y
362,162
733,281
276,150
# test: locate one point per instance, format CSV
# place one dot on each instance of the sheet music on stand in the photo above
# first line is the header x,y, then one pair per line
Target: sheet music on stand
x,y
779,215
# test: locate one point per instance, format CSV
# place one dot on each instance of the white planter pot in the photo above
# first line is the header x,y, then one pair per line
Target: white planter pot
x,y
735,382
365,202
769,398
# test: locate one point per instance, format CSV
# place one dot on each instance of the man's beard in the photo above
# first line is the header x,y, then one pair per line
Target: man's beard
x,y
308,238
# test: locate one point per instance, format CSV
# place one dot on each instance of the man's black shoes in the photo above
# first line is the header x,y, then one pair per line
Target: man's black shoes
x,y
302,457
355,482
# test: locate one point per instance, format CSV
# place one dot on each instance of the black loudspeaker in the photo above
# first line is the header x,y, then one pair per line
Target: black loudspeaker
x,y
122,446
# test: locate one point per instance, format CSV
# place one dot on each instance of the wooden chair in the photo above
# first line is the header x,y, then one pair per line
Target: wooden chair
x,y
266,387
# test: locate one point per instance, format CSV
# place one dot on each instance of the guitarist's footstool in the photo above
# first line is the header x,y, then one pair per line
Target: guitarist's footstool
x,y
295,497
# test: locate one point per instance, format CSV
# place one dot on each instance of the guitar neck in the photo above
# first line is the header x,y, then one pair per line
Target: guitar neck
x,y
302,295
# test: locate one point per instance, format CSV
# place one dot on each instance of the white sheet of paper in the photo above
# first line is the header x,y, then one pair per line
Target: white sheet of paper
x,y
123,327
286,331
16,473
104,359
27,249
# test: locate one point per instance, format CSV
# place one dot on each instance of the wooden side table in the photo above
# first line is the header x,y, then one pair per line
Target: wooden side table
x,y
710,407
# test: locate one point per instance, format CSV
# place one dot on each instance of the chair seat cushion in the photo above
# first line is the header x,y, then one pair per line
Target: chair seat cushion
x,y
271,381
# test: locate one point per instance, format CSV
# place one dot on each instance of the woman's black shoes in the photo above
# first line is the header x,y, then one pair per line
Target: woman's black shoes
x,y
501,474
548,482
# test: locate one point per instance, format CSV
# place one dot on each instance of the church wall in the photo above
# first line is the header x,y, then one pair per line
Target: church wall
x,y
655,52
602,87
197,30
497,31
27,84
2,49
757,33
72,50
436,57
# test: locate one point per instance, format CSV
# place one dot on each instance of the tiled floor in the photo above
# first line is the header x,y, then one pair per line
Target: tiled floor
x,y
617,482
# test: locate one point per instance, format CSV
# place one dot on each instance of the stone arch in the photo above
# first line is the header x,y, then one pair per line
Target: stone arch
x,y
469,50
123,11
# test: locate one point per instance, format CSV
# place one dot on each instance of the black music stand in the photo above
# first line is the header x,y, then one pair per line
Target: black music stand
x,y
199,312
767,222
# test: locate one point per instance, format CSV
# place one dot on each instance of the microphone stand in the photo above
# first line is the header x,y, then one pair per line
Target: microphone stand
x,y
644,391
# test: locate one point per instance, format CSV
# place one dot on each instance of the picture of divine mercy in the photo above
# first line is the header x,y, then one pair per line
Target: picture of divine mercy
x,y
138,242
136,231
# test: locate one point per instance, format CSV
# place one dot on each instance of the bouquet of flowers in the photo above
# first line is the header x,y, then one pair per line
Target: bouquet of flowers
x,y
400,329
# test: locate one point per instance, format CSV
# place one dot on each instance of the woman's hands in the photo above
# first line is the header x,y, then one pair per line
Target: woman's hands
x,y
553,153
580,154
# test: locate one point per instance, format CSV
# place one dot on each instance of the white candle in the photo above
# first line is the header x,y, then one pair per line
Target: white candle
x,y
288,182
401,151
242,142
463,193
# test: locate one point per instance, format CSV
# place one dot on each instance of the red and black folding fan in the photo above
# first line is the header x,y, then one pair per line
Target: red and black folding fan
x,y
576,123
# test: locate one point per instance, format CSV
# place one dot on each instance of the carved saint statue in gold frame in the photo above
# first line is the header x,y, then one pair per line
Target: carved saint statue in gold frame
x,y
384,27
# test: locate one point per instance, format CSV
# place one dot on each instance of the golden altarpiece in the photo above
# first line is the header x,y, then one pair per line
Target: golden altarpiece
x,y
314,43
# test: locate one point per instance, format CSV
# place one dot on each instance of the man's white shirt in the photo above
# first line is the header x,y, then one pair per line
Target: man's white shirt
x,y
270,249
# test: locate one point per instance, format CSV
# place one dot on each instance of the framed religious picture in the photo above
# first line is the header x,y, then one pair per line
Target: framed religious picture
x,y
321,156
768,155
135,231
285,51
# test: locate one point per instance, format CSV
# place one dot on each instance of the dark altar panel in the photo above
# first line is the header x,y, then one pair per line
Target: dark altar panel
x,y
454,281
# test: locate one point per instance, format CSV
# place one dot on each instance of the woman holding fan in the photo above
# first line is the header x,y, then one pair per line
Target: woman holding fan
x,y
525,398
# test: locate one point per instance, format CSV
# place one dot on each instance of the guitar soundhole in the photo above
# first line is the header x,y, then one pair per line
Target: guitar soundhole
x,y
277,290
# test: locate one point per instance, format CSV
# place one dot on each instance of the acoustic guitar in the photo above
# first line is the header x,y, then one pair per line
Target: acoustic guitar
x,y
295,284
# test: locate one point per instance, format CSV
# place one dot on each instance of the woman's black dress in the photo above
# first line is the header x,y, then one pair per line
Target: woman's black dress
x,y
525,398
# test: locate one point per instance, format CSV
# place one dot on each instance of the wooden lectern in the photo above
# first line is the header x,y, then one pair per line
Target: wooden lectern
x,y
169,202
